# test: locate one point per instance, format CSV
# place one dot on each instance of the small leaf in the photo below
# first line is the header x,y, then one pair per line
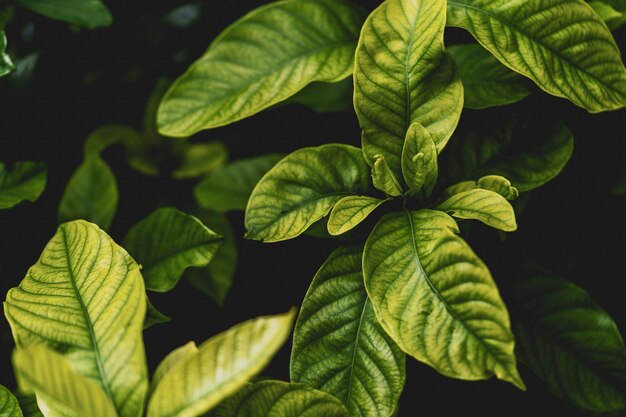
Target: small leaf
x,y
91,194
383,178
350,211
262,59
229,187
619,6
200,159
6,65
85,298
90,14
338,345
173,359
302,188
436,298
562,45
26,181
166,243
9,407
402,76
611,17
326,97
570,342
221,366
500,185
419,160
107,136
280,399
487,206
61,391
487,82
153,316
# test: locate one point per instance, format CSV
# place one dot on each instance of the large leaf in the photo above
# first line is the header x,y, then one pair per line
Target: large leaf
x,y
6,65
262,59
26,181
87,13
166,243
229,188
172,359
402,75
338,345
526,150
91,194
280,399
436,298
487,206
199,380
486,82
570,342
61,391
350,211
9,407
562,45
85,298
302,188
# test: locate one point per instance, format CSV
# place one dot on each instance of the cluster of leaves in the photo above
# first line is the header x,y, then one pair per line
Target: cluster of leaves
x,y
409,285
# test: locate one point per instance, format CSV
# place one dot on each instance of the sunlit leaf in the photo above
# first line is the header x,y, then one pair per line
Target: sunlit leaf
x,y
494,183
173,359
419,160
350,211
383,178
9,407
87,13
487,206
22,181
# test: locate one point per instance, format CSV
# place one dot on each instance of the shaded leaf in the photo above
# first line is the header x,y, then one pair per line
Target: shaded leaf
x,y
26,181
383,178
487,206
326,97
9,407
29,406
107,136
611,17
200,159
87,13
6,65
419,160
620,7
338,345
350,211
153,316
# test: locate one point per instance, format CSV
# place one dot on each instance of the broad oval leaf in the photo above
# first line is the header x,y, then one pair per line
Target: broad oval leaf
x,y
61,391
486,81
166,243
403,75
9,407
280,399
562,45
419,160
570,342
91,194
87,13
302,188
262,59
85,298
26,181
436,298
171,360
487,206
6,65
198,381
338,345
229,187
350,211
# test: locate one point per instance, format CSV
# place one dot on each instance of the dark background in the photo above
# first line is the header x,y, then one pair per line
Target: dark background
x,y
85,79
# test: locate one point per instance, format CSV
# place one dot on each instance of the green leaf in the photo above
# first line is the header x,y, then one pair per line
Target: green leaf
x,y
29,406
166,243
216,279
91,194
338,345
61,391
26,181
280,399
302,188
9,407
402,75
611,17
436,298
522,149
199,159
173,359
326,97
6,65
419,160
229,187
350,211
198,381
487,206
570,342
90,14
493,183
562,45
153,316
486,82
107,136
262,59
619,6
384,179
85,298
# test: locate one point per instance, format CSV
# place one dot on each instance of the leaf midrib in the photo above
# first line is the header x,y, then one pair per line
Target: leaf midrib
x,y
354,350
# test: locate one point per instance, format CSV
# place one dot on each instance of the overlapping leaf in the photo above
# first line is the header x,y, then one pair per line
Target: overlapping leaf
x,y
87,13
384,179
570,342
562,45
419,161
167,242
302,188
612,17
26,181
85,298
402,75
326,97
436,298
9,407
29,406
487,206
262,59
197,159
197,380
339,347
350,211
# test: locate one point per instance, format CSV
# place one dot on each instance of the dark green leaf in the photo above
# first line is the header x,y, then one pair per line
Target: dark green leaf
x,y
9,407
29,406
87,13
6,65
26,181
326,97
613,18
153,316
199,159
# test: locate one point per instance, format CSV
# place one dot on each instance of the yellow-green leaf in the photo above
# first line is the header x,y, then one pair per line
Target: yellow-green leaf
x,y
350,211
85,298
198,381
495,183
26,181
262,59
613,18
383,178
487,206
9,407
199,159
171,360
419,160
